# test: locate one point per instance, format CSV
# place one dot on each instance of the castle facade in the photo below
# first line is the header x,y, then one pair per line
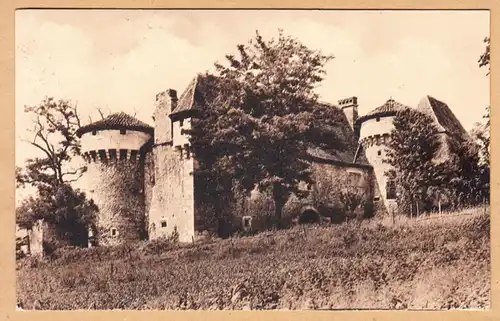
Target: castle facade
x,y
143,179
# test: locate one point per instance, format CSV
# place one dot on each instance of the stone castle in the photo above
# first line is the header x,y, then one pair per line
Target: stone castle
x,y
142,177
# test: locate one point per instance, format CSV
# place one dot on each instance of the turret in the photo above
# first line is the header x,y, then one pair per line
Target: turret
x,y
374,135
114,178
172,203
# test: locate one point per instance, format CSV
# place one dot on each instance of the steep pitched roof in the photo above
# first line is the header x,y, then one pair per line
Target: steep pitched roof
x,y
447,124
189,100
119,120
389,108
443,117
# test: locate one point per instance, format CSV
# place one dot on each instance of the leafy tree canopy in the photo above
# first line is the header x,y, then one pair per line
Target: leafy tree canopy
x,y
262,116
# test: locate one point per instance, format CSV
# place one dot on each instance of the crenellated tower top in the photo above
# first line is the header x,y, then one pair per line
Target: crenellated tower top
x,y
116,137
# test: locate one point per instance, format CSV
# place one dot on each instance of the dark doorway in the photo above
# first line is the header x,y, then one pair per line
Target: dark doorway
x,y
309,216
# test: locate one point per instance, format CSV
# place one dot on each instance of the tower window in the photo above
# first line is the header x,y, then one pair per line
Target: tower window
x,y
181,122
114,232
112,154
123,131
94,132
123,154
133,155
379,153
163,224
391,190
378,118
247,222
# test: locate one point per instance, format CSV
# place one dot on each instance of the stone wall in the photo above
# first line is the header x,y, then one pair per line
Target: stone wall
x,y
375,135
336,182
114,140
172,204
36,238
149,182
324,197
117,189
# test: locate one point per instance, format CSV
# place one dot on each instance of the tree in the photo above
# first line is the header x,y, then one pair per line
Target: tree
x,y
68,211
411,152
484,59
481,132
469,180
54,136
261,119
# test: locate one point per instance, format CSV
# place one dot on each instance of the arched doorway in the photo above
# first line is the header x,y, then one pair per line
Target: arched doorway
x,y
309,216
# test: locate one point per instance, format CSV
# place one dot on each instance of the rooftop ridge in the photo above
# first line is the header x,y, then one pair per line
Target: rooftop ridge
x,y
118,120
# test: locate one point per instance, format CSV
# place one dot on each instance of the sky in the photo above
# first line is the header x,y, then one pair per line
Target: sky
x,y
118,60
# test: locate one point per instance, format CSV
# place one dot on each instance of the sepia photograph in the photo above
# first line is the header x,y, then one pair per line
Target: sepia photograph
x,y
252,159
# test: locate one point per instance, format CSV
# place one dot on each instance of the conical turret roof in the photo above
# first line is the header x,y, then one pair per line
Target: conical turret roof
x,y
389,108
116,121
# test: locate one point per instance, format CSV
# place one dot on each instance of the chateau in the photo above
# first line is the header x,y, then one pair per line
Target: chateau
x,y
142,177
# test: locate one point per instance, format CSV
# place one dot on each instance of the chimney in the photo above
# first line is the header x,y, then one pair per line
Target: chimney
x,y
350,108
166,101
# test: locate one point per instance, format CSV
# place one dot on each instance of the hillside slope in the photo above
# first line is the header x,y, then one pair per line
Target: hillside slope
x,y
443,264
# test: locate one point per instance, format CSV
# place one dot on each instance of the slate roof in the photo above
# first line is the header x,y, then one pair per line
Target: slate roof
x,y
447,124
189,99
389,108
443,117
119,120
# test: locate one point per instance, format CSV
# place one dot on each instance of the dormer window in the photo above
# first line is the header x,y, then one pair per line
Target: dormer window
x,y
123,131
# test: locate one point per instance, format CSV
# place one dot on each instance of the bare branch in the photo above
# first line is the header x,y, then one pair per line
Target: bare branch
x,y
101,113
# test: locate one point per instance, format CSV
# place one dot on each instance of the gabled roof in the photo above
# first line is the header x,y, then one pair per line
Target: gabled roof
x,y
116,121
443,117
189,100
389,108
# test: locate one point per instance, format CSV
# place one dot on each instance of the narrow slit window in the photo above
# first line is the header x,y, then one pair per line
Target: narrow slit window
x,y
391,190
112,154
379,153
102,155
123,154
133,155
114,232
163,224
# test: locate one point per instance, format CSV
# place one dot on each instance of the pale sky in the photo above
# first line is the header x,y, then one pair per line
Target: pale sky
x,y
119,60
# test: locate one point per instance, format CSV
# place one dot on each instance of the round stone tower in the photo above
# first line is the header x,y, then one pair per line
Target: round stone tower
x,y
374,130
113,151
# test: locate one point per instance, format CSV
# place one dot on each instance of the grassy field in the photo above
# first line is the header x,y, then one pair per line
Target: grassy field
x,y
441,263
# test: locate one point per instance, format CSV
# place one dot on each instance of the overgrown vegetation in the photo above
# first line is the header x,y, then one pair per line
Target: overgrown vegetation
x,y
65,209
259,116
433,264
